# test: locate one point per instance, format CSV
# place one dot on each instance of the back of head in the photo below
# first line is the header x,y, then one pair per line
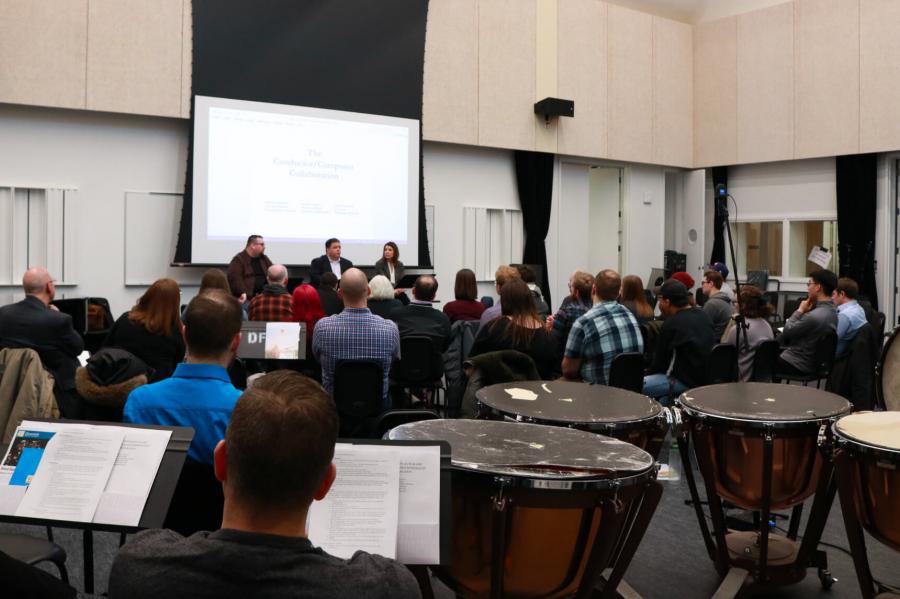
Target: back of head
x,y
329,280
280,441
277,274
848,287
214,279
632,289
720,268
504,275
425,288
210,323
306,306
354,286
35,280
581,286
827,279
607,283
752,302
381,288
675,293
516,300
526,272
465,287
714,277
159,309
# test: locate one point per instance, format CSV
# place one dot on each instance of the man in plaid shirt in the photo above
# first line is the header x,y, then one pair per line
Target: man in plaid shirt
x,y
605,331
355,333
273,304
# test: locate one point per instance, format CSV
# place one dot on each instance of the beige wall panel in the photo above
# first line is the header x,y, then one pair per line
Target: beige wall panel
x,y
582,77
506,73
715,93
135,56
630,84
450,97
765,84
826,54
673,93
43,48
879,77
187,64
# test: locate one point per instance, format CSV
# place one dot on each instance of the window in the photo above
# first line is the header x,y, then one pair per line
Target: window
x,y
805,234
761,246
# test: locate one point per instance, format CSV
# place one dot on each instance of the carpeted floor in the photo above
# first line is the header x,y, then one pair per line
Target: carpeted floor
x,y
670,564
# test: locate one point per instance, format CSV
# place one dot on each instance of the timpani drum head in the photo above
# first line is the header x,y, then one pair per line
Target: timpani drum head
x,y
568,402
764,402
887,373
875,429
531,451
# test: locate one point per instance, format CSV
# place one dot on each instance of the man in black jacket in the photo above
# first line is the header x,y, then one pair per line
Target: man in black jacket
x,y
247,270
330,261
35,323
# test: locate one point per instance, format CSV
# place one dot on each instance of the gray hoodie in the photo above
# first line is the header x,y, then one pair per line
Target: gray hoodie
x,y
719,309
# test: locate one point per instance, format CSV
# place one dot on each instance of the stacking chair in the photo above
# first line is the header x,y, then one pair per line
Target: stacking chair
x,y
764,361
358,395
824,360
627,371
721,365
420,365
34,550
394,418
197,502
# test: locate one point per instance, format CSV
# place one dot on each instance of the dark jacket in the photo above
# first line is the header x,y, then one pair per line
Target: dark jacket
x,y
241,277
331,302
382,307
688,335
160,352
319,266
423,320
381,268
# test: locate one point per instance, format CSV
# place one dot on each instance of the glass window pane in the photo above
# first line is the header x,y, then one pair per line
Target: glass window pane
x,y
759,247
805,235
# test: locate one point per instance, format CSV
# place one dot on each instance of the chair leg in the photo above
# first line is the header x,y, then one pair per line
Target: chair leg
x,y
63,573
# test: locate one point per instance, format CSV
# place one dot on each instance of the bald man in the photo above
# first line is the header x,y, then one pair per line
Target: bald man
x,y
355,334
35,324
273,303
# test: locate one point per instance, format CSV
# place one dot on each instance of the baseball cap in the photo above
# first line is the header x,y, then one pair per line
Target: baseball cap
x,y
720,268
673,289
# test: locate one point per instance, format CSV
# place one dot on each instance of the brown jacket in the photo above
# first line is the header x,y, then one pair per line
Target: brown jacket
x,y
241,275
26,390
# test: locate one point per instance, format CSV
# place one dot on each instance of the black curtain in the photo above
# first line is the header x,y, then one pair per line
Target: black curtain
x,y
719,177
355,55
534,179
856,182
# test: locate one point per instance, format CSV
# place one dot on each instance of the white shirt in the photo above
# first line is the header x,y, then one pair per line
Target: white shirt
x,y
335,267
390,266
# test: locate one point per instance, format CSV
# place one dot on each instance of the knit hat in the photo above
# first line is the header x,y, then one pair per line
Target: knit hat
x,y
684,278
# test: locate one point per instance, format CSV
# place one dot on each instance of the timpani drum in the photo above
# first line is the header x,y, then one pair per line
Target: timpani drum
x,y
617,413
540,511
887,373
757,448
867,457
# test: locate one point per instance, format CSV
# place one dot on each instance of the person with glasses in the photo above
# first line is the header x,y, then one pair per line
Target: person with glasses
x,y
814,318
247,270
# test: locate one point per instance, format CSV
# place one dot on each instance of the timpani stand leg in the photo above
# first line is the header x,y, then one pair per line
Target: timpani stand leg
x,y
424,580
794,526
845,474
731,584
809,555
684,450
716,512
765,512
87,545
499,517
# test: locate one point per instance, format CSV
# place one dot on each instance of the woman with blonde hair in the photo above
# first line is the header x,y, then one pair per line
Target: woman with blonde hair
x,y
151,330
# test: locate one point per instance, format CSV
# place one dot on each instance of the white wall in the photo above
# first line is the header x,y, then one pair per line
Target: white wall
x,y
643,218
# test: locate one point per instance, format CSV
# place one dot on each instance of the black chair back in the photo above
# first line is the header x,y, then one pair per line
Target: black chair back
x,y
721,364
420,363
627,371
394,418
825,353
853,375
651,299
358,395
764,361
758,278
197,502
700,297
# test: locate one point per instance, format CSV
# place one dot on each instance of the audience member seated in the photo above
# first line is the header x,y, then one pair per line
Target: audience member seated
x,y
850,313
328,294
275,460
688,282
465,306
151,330
420,318
718,307
755,310
634,298
36,324
573,307
540,306
813,319
273,303
307,307
382,301
247,270
519,328
722,269
503,275
355,333
199,394
605,331
686,335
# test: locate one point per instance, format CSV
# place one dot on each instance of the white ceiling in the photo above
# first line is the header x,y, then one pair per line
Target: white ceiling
x,y
696,11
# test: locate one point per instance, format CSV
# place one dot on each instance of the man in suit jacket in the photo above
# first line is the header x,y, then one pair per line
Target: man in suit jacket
x,y
420,318
330,261
35,323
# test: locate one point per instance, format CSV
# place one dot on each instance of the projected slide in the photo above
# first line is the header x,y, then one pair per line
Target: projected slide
x,y
298,176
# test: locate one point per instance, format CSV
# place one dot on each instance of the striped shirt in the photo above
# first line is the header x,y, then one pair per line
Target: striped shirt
x,y
605,331
355,334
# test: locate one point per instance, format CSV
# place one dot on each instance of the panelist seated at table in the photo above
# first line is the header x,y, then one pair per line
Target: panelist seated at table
x,y
199,394
275,460
330,261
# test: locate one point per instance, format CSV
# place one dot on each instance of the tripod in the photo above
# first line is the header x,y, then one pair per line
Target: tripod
x,y
739,322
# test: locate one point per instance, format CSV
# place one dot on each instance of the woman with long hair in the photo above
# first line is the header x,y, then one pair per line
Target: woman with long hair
x,y
151,330
633,297
390,266
306,306
755,309
466,305
519,328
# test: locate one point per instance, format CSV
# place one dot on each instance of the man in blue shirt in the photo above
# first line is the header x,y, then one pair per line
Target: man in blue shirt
x,y
851,315
199,394
605,331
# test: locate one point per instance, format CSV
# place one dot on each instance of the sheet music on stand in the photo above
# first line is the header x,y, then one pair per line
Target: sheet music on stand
x,y
390,498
